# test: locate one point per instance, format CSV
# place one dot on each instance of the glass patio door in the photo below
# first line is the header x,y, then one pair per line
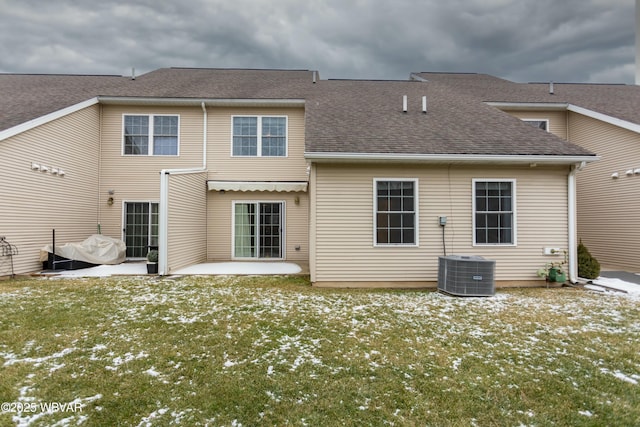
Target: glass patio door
x,y
140,228
258,230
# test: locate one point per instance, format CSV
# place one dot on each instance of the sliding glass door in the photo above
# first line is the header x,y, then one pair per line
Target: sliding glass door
x,y
258,230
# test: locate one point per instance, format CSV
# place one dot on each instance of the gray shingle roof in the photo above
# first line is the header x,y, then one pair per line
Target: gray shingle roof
x,y
367,117
615,100
24,97
342,116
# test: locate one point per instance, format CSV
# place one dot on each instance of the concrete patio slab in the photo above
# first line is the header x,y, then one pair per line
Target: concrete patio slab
x,y
211,268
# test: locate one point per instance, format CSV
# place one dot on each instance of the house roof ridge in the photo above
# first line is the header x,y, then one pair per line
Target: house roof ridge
x,y
239,69
371,80
60,75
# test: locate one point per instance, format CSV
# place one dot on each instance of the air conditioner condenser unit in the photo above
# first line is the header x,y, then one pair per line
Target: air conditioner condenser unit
x,y
466,275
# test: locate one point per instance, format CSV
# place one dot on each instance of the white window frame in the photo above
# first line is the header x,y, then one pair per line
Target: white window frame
x,y
151,135
514,210
416,192
283,233
528,120
259,135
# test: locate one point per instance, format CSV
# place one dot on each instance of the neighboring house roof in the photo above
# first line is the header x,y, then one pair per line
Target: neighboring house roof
x,y
25,97
202,83
615,100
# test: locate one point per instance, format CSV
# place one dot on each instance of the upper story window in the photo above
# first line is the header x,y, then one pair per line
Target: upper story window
x,y
396,212
494,212
151,135
259,136
539,123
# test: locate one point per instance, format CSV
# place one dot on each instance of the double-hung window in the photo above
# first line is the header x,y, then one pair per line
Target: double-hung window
x,y
150,135
494,208
259,136
396,212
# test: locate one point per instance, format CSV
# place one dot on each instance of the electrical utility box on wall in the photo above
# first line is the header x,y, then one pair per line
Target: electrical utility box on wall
x,y
466,275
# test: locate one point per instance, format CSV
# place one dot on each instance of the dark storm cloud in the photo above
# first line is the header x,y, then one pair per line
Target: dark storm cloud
x,y
571,40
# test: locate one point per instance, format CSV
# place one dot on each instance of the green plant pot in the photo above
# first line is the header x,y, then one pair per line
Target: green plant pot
x,y
557,276
152,268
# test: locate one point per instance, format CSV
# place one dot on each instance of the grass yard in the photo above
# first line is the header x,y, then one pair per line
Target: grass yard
x,y
231,351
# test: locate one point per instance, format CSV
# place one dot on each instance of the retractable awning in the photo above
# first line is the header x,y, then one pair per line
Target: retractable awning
x,y
257,186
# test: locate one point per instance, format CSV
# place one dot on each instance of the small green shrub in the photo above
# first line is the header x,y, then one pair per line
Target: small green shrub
x,y
152,256
588,266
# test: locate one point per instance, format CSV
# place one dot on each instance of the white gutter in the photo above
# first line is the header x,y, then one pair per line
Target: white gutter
x,y
529,105
572,221
210,102
450,158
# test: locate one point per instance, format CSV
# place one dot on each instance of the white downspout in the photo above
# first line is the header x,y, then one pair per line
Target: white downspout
x,y
572,220
204,136
163,223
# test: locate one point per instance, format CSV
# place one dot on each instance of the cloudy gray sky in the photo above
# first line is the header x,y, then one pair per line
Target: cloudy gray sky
x,y
520,40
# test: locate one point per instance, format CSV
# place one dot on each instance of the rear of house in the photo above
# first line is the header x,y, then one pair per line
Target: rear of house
x,y
380,225
601,118
436,173
354,178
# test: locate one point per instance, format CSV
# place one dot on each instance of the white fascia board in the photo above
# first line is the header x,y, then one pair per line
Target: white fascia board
x,y
38,121
605,118
208,102
449,158
531,106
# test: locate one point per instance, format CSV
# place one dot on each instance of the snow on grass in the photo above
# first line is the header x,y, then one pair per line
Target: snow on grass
x,y
11,359
249,352
606,284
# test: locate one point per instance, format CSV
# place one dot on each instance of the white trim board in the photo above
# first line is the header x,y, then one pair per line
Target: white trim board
x,y
38,121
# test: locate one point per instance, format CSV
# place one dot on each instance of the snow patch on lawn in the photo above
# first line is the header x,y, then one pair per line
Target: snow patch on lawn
x,y
12,359
604,284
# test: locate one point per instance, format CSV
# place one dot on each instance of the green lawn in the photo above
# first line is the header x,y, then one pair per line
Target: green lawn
x,y
230,351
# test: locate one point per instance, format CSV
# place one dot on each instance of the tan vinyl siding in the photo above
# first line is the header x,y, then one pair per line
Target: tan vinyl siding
x,y
344,216
219,222
142,181
137,178
187,218
557,120
608,220
223,166
33,203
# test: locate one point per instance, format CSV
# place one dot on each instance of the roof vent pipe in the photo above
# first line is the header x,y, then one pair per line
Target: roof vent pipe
x,y
424,104
314,76
550,88
133,73
404,103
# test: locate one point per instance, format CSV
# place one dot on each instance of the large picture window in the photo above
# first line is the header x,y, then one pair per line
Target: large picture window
x,y
494,212
395,220
259,136
148,135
